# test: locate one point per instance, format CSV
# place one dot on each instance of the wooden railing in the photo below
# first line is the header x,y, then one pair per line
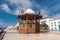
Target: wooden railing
x,y
29,21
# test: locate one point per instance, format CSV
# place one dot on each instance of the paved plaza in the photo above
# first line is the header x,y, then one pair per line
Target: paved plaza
x,y
52,35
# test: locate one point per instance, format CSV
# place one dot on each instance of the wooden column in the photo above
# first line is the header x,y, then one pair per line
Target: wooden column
x,y
21,20
34,19
35,22
27,23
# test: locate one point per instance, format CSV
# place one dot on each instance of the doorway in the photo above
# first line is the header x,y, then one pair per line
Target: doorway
x,y
59,27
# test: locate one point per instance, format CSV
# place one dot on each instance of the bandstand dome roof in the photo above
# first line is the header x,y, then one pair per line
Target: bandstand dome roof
x,y
29,11
31,15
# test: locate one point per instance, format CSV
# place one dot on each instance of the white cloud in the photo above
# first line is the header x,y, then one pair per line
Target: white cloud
x,y
24,4
8,10
44,13
20,5
56,16
17,10
5,8
37,5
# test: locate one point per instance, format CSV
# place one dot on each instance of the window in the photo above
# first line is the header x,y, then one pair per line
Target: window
x,y
58,22
55,28
54,23
59,25
52,29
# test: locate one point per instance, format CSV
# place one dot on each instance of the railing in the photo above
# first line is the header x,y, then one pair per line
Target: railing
x,y
2,35
29,21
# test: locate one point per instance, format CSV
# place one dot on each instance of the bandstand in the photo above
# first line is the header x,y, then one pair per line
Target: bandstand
x,y
29,22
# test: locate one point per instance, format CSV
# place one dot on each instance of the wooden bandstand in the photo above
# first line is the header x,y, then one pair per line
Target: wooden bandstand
x,y
29,22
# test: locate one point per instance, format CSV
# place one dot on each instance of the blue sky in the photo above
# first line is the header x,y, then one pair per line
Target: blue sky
x,y
10,8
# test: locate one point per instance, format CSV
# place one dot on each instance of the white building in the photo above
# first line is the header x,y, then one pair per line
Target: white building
x,y
54,24
11,29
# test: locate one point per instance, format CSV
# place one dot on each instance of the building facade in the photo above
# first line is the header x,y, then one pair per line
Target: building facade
x,y
54,24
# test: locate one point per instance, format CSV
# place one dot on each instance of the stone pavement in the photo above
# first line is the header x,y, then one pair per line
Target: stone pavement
x,y
41,36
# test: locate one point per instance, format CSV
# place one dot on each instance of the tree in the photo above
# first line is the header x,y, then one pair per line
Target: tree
x,y
43,26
